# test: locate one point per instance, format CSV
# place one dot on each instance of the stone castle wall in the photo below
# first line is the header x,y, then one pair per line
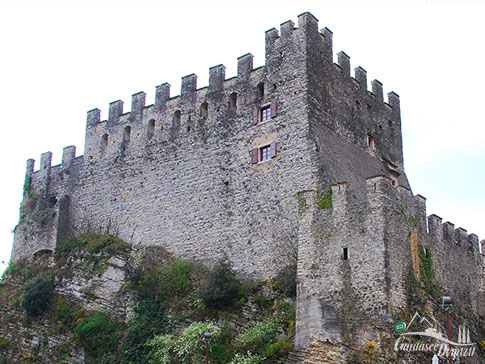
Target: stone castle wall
x,y
186,173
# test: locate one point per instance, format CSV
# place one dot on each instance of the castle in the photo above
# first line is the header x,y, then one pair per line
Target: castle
x,y
296,155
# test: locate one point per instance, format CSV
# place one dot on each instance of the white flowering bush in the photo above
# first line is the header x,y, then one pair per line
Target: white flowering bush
x,y
248,358
189,347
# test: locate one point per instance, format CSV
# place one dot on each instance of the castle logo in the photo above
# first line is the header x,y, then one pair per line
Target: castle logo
x,y
430,339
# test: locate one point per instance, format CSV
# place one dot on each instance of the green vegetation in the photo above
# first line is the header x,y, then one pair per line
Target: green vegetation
x,y
285,281
222,286
173,302
427,273
37,296
324,201
301,204
98,335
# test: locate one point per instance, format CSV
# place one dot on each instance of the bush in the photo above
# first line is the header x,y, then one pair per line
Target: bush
x,y
285,281
187,348
222,287
176,276
97,334
147,321
37,296
247,358
256,337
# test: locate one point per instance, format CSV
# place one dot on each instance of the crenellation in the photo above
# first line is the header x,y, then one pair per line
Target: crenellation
x,y
270,39
361,76
115,111
286,29
244,67
45,161
377,90
162,94
309,23
344,63
327,45
435,227
189,89
473,242
217,76
68,155
93,117
393,100
461,236
137,105
449,231
29,170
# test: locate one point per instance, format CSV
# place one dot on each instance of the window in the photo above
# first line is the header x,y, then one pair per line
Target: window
x,y
176,117
260,89
204,109
104,142
345,254
264,113
151,127
263,153
232,100
127,134
370,141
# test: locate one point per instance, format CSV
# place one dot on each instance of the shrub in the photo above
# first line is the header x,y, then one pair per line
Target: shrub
x,y
188,347
37,296
257,336
222,287
66,314
177,276
285,281
97,334
247,358
147,321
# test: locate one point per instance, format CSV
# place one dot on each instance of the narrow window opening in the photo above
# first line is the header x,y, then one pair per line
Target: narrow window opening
x,y
104,142
345,254
151,127
260,89
370,141
176,117
232,100
127,134
204,109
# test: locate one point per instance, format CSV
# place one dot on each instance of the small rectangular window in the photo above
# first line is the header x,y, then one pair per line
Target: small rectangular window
x,y
266,113
345,254
265,153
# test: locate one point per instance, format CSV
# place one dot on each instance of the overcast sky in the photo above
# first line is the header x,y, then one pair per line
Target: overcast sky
x,y
60,59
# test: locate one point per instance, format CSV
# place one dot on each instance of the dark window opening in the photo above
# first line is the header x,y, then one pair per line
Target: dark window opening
x,y
127,134
204,109
151,127
233,100
260,89
104,141
176,117
345,254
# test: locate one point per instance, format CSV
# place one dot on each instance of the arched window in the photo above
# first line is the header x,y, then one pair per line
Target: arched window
x,y
204,109
104,142
260,89
232,100
127,134
176,117
151,127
